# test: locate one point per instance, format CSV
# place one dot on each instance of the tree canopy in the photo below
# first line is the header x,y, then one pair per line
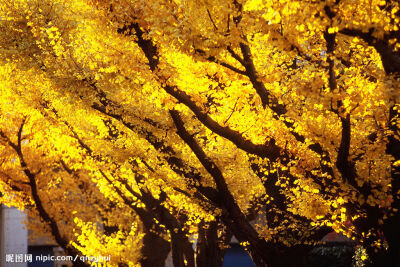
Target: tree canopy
x,y
126,124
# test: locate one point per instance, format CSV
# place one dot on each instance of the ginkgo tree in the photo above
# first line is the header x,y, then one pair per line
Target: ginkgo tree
x,y
130,123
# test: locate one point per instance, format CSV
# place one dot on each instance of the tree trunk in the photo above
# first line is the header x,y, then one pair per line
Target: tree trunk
x,y
209,251
155,250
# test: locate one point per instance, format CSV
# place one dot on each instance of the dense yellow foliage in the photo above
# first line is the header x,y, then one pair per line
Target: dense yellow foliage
x,y
89,88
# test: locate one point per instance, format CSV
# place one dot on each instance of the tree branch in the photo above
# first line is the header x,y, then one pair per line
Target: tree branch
x,y
266,98
242,229
389,56
43,214
212,21
226,65
345,168
235,56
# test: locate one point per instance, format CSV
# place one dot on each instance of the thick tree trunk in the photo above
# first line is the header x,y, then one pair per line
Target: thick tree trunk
x,y
155,250
188,251
210,248
177,251
182,250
